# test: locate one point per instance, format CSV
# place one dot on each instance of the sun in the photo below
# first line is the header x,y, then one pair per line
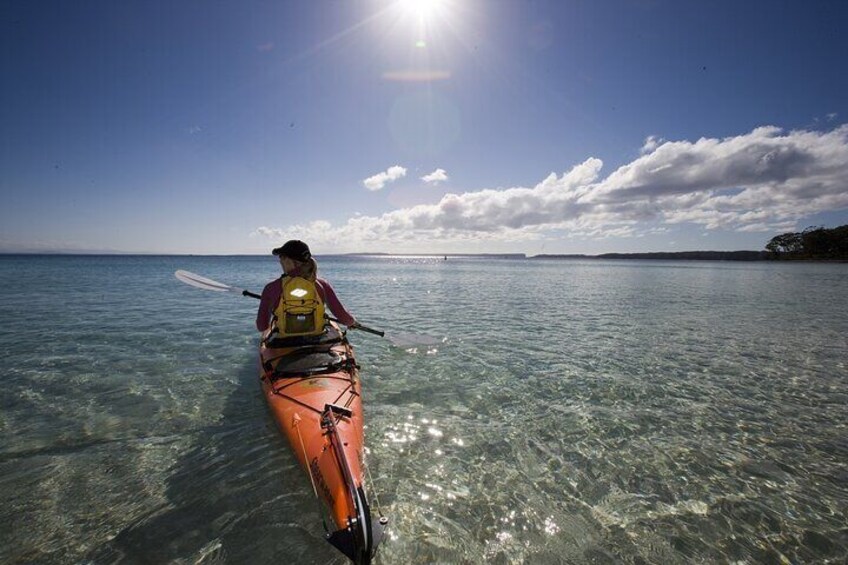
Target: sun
x,y
422,9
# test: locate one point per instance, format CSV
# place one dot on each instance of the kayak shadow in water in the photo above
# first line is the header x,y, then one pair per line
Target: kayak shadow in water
x,y
236,495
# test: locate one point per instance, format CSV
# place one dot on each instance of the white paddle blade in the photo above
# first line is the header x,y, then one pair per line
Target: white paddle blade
x,y
202,282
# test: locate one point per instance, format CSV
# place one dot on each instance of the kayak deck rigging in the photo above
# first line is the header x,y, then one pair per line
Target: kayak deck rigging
x,y
296,380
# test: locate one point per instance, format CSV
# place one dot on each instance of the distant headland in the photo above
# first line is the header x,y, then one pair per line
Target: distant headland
x,y
812,244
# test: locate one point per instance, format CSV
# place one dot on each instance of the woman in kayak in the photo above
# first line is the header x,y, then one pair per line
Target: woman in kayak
x,y
297,262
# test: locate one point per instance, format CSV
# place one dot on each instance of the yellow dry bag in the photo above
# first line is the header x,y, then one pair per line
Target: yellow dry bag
x,y
301,310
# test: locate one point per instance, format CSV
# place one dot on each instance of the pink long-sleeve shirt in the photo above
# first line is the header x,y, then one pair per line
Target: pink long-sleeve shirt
x,y
271,297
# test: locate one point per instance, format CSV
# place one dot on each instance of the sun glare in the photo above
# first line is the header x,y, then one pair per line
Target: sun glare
x,y
422,9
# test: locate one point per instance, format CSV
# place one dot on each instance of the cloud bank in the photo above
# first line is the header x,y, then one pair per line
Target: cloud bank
x,y
765,181
380,180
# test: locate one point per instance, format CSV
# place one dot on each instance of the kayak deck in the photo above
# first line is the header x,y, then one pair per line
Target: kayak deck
x,y
314,394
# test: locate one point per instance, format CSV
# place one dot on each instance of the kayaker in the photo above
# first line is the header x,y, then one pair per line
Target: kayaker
x,y
297,261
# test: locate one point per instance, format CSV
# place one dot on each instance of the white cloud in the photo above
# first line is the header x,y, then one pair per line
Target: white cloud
x,y
766,180
380,180
437,176
651,143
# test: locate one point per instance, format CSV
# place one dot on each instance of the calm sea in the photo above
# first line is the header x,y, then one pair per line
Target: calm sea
x,y
571,412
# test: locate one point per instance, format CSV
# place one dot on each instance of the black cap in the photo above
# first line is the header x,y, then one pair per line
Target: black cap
x,y
294,249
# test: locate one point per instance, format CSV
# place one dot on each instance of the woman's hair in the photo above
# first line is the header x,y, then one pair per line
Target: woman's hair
x,y
308,269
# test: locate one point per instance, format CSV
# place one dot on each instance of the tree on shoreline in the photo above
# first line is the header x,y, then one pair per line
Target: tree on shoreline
x,y
815,242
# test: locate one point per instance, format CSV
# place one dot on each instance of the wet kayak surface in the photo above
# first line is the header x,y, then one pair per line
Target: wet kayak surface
x,y
563,411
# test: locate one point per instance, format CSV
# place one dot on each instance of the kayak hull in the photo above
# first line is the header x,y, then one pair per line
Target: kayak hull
x,y
314,394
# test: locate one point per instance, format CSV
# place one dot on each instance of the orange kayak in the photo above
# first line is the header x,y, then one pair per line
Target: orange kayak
x,y
313,390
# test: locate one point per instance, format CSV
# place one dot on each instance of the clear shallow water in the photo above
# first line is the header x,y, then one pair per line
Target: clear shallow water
x,y
576,412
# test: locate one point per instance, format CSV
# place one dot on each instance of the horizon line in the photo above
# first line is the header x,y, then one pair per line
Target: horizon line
x,y
367,254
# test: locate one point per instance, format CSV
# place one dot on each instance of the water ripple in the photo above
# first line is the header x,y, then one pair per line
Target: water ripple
x,y
569,412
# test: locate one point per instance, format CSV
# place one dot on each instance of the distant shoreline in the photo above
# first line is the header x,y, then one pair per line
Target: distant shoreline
x,y
693,256
672,255
649,256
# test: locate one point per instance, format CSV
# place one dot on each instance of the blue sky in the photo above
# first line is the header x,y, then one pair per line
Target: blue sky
x,y
420,126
